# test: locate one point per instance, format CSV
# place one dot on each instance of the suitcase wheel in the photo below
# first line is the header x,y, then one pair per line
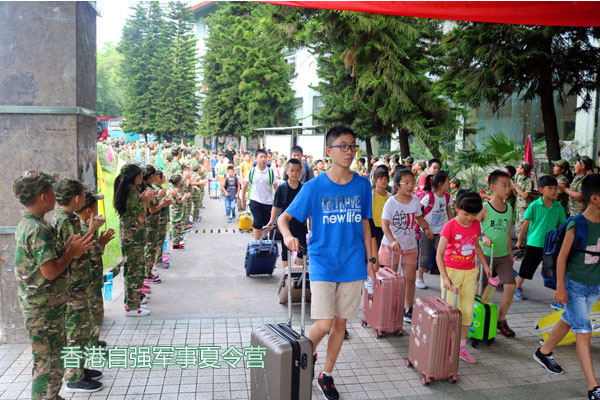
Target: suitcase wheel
x,y
452,379
407,363
364,323
489,342
378,334
398,333
425,381
475,343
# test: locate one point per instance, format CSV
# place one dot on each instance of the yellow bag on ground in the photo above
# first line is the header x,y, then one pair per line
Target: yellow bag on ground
x,y
545,324
245,221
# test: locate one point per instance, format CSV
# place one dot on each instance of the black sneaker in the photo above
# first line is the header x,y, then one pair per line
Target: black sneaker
x,y
92,374
327,387
547,361
408,316
594,394
101,343
83,386
346,335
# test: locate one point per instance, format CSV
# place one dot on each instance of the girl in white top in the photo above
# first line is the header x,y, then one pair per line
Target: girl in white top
x,y
400,214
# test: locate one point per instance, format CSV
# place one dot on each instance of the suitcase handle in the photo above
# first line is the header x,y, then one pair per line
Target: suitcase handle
x,y
399,268
289,277
481,271
455,297
264,237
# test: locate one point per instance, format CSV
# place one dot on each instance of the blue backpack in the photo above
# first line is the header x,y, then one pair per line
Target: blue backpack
x,y
553,243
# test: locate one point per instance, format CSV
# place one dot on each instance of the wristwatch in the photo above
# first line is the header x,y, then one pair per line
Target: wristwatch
x,y
372,260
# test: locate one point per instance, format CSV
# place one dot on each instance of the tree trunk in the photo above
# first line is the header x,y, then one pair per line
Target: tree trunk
x,y
404,145
369,153
549,117
433,147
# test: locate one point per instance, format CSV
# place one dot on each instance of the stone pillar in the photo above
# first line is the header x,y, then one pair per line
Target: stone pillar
x,y
47,114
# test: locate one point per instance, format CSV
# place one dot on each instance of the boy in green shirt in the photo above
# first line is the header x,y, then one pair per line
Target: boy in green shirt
x,y
578,287
542,216
495,221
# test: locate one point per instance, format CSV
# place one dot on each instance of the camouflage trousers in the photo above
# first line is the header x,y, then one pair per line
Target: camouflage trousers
x,y
160,238
519,221
96,307
197,196
47,336
77,327
188,210
150,251
178,228
133,275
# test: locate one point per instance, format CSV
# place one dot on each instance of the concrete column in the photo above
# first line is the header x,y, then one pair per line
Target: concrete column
x,y
47,114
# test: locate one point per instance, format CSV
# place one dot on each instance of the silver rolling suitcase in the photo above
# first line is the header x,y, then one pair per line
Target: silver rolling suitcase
x,y
288,362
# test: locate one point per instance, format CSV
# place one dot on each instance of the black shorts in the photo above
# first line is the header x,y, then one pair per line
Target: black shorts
x,y
533,258
376,232
301,238
261,214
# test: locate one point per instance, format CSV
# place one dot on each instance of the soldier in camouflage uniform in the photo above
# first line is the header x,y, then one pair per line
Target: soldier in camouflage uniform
x,y
131,207
163,220
523,189
43,280
177,209
188,188
454,188
560,169
70,197
96,271
197,188
175,165
361,168
577,204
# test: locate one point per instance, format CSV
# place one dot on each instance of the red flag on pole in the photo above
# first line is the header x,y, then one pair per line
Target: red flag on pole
x,y
529,157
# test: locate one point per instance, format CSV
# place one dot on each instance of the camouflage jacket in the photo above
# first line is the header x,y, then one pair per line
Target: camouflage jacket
x,y
563,197
576,206
526,185
68,224
36,245
133,232
177,208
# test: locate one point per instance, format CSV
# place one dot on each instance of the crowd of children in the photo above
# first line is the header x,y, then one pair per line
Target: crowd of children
x,y
426,223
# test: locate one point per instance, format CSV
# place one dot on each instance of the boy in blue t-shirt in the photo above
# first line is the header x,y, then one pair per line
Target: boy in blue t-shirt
x,y
578,288
339,204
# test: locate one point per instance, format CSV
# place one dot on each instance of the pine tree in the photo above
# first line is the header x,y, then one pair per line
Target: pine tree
x,y
491,62
108,90
245,74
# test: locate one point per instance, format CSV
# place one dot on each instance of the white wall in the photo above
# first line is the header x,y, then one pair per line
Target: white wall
x,y
584,126
306,76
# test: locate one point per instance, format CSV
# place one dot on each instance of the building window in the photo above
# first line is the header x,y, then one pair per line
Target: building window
x,y
318,105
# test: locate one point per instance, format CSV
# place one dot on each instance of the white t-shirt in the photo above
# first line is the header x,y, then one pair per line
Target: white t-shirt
x,y
260,189
403,218
437,215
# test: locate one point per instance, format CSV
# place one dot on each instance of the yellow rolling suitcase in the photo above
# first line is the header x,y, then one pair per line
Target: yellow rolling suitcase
x,y
245,221
545,324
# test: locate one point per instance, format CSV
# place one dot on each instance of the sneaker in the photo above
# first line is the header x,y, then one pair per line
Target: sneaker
x,y
229,219
408,316
155,278
164,265
83,386
556,306
594,394
141,312
519,294
148,280
420,284
466,356
547,361
165,257
101,343
92,374
143,300
146,290
178,247
505,329
327,387
346,335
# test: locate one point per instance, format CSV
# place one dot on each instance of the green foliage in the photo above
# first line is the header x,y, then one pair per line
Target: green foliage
x,y
108,90
158,70
490,62
246,78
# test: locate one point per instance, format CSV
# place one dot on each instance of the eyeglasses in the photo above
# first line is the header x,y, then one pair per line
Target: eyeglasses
x,y
407,183
346,147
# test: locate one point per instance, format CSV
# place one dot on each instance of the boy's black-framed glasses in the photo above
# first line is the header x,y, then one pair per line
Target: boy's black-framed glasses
x,y
346,147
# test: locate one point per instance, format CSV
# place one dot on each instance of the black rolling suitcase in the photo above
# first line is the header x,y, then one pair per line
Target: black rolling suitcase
x,y
288,362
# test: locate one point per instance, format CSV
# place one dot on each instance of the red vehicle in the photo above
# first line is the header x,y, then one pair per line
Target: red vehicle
x,y
102,127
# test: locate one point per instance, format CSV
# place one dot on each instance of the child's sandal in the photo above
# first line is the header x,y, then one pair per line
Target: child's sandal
x,y
505,330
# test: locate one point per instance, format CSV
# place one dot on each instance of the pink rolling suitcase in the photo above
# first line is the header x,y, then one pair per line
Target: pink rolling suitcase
x,y
435,339
385,312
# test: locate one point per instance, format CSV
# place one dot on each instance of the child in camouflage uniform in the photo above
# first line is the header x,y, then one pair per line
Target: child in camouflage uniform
x,y
152,220
177,210
163,220
131,207
43,280
523,189
70,197
94,289
583,167
561,170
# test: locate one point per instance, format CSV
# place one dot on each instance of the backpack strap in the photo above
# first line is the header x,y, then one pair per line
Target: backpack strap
x,y
431,203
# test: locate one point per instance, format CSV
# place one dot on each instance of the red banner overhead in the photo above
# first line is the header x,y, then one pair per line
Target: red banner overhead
x,y
557,13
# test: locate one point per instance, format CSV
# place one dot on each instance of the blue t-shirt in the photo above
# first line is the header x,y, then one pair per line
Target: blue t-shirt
x,y
213,162
336,246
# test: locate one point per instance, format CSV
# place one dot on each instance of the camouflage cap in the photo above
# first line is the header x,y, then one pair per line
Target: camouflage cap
x,y
91,197
148,170
194,153
587,162
175,178
409,160
67,188
564,164
130,171
175,150
30,184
